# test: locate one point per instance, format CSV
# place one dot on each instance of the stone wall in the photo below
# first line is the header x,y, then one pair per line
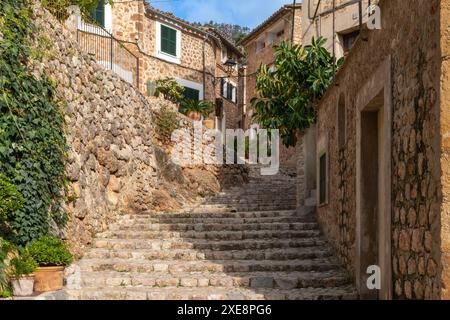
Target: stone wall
x,y
115,163
445,146
409,39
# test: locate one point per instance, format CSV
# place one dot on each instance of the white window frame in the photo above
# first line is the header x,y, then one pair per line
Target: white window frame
x,y
192,85
165,56
225,89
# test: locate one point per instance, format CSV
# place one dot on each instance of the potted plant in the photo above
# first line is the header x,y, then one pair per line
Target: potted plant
x,y
22,277
52,256
196,109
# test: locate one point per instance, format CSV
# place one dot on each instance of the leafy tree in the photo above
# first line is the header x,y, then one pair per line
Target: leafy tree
x,y
170,90
287,97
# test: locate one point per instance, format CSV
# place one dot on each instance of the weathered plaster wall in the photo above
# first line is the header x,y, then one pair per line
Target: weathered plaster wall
x,y
410,36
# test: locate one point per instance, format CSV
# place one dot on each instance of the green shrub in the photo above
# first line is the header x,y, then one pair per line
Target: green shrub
x,y
204,107
33,145
50,252
10,200
170,90
166,123
23,265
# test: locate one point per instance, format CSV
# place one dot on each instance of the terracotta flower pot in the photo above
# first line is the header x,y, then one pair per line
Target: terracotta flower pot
x,y
48,279
196,116
209,124
23,287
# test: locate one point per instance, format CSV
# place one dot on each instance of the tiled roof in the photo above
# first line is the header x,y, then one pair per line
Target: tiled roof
x,y
275,16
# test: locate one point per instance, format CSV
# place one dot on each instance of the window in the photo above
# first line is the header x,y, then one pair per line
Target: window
x,y
228,90
168,43
98,14
168,40
348,40
323,179
192,94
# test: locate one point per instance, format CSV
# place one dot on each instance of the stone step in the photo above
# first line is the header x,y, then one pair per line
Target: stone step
x,y
216,293
212,214
242,209
213,235
175,267
214,226
211,255
207,245
280,280
162,220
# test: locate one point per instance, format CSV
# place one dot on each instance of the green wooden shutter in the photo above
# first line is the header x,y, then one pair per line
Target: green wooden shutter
x,y
99,13
168,40
192,94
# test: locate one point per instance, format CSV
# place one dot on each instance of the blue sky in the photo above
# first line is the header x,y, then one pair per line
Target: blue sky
x,y
248,13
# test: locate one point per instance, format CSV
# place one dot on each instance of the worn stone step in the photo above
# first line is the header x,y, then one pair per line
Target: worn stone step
x,y
242,209
191,255
212,235
212,214
216,293
175,267
280,280
296,226
147,220
207,245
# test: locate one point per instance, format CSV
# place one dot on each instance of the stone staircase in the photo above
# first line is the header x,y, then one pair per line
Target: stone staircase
x,y
246,243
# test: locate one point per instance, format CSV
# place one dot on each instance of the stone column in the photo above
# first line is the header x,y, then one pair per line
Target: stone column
x,y
74,18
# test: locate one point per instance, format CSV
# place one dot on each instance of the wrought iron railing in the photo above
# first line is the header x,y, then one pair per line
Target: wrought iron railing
x,y
108,51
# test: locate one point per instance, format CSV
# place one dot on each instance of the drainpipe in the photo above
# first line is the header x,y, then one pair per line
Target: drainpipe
x,y
204,65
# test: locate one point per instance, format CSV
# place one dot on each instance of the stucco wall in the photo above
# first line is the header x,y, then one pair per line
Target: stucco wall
x,y
410,38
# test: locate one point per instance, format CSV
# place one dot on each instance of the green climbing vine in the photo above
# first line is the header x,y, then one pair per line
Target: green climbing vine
x,y
32,140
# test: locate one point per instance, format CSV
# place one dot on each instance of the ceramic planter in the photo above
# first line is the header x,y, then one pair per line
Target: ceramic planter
x,y
196,116
209,124
48,279
23,287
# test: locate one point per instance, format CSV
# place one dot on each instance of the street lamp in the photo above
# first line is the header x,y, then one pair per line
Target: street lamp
x,y
229,65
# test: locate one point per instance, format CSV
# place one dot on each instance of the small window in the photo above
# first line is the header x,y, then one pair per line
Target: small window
x,y
348,40
323,179
192,94
98,14
168,40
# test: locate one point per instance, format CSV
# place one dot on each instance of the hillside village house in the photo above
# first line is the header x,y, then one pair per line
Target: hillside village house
x,y
167,46
379,149
283,25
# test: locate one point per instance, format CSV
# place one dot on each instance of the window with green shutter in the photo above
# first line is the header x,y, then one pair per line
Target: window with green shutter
x,y
192,94
168,40
98,14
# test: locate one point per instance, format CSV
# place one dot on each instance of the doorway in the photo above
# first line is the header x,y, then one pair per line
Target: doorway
x,y
373,200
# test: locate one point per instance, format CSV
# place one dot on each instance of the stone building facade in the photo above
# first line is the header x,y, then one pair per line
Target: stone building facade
x,y
343,26
382,154
168,46
283,25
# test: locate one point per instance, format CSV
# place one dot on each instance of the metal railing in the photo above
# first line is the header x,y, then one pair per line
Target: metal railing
x,y
108,51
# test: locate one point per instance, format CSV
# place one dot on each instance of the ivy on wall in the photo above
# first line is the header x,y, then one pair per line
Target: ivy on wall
x,y
32,140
